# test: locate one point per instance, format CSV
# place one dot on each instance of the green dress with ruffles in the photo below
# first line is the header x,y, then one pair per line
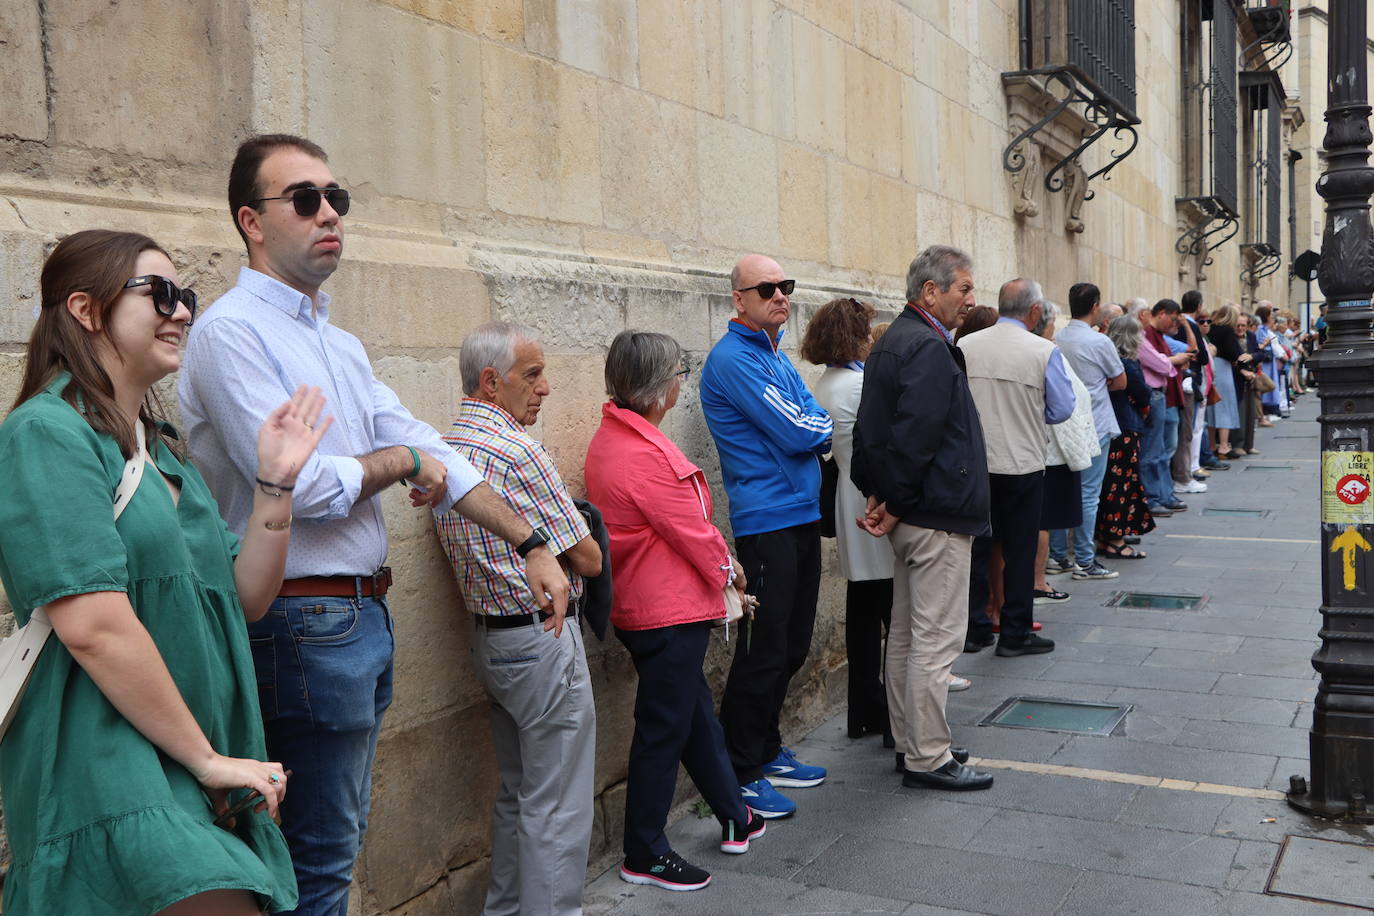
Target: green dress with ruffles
x,y
99,820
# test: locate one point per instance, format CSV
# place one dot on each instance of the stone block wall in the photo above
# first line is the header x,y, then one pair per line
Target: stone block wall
x,y
582,166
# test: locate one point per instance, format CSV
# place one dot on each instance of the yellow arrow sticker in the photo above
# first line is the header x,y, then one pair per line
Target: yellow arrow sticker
x,y
1348,542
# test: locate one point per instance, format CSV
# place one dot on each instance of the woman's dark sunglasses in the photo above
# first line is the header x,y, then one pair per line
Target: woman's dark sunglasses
x,y
765,290
307,200
166,295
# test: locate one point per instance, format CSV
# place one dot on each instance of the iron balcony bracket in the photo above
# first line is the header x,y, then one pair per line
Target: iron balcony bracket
x,y
1202,238
1267,261
1274,44
1100,113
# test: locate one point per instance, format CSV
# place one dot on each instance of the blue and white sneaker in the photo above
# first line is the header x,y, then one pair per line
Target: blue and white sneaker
x,y
787,770
766,801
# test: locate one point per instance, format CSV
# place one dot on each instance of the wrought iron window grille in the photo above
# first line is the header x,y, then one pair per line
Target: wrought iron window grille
x,y
1273,44
1077,74
1209,206
1264,128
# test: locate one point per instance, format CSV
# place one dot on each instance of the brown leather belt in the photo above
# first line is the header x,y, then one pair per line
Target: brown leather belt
x,y
373,586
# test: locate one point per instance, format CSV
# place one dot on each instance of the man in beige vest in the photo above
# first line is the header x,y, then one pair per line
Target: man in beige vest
x,y
1019,384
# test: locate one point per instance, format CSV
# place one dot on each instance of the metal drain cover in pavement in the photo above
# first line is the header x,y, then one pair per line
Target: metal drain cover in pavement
x,y
1329,871
1157,600
1236,513
1269,467
1057,715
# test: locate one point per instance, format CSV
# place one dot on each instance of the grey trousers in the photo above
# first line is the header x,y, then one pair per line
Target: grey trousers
x,y
930,579
543,726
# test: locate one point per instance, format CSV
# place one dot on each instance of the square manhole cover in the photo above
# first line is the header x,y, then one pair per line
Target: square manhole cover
x,y
1269,467
1167,601
1330,871
1056,715
1236,513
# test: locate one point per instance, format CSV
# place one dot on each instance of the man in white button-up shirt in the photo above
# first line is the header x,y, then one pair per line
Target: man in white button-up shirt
x,y
324,651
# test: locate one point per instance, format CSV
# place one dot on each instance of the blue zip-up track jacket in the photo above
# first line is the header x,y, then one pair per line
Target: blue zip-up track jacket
x,y
768,431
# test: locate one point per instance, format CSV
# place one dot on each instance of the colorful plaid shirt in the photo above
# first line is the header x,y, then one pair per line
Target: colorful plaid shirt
x,y
490,573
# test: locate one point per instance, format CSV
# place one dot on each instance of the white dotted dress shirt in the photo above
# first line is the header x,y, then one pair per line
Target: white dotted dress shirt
x,y
247,355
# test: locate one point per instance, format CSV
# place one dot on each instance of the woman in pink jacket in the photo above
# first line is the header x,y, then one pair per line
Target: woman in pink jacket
x,y
669,569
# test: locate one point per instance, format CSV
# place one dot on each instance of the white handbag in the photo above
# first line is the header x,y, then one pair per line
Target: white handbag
x,y
19,651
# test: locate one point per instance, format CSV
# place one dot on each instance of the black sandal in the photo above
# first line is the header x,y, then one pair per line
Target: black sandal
x,y
1119,552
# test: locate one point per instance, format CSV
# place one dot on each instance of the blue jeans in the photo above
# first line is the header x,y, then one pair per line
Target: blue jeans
x,y
1151,449
324,681
1090,480
1171,421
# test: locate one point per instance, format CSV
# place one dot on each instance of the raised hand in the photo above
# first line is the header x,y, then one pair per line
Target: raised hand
x,y
289,436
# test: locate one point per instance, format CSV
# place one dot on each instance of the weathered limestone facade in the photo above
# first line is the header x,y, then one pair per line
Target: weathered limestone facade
x,y
583,166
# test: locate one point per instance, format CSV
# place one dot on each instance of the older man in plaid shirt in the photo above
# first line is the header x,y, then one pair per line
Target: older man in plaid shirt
x,y
534,668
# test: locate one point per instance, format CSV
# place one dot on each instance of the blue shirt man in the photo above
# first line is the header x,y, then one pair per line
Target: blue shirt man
x,y
1094,359
324,649
768,431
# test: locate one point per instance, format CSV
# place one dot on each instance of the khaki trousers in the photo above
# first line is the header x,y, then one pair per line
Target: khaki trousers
x,y
929,622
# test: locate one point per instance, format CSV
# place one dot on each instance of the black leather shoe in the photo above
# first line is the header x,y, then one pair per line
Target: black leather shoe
x,y
958,753
977,641
952,777
1031,645
1131,539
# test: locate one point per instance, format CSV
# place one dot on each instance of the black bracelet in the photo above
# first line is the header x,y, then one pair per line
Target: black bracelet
x,y
267,487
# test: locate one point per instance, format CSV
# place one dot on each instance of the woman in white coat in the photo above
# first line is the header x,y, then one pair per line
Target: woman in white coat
x,y
839,338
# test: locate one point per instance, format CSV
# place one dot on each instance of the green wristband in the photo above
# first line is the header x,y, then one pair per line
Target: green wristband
x,y
415,456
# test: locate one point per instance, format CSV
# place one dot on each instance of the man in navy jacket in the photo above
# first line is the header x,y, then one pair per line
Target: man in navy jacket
x,y
919,457
768,431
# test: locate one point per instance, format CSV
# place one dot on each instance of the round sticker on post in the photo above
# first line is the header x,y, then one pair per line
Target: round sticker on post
x,y
1352,489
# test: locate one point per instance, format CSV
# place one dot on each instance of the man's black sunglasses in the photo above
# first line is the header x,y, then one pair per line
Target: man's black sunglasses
x,y
166,295
307,200
765,290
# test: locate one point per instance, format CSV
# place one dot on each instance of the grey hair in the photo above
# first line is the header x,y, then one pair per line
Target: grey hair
x,y
639,369
938,263
1017,298
491,346
1125,333
1048,316
1134,307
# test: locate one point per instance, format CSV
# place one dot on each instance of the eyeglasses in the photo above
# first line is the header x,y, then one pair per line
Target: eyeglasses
x,y
765,290
683,373
1204,321
166,295
307,200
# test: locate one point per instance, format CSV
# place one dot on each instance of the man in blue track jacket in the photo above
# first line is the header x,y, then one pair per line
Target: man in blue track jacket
x,y
768,431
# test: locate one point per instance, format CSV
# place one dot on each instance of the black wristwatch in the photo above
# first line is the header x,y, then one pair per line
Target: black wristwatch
x,y
538,538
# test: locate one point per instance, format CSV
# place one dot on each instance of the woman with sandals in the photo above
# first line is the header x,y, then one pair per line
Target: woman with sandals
x,y
140,725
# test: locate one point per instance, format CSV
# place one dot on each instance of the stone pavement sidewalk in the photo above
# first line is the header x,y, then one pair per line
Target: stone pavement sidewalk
x,y
1179,811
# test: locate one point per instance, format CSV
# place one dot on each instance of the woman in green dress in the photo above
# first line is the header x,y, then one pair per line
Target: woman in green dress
x,y
140,723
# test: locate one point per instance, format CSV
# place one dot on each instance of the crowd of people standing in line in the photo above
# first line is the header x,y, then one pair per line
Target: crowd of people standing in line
x,y
230,634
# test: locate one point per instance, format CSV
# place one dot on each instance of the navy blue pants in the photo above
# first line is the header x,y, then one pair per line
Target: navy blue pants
x,y
675,720
1016,526
784,570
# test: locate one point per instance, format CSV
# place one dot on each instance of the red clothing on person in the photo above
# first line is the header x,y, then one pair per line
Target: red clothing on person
x,y
1173,388
669,563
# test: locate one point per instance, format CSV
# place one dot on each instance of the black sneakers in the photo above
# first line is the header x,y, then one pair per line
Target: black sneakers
x,y
735,837
669,871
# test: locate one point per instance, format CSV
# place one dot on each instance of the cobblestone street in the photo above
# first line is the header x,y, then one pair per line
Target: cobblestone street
x,y
1179,811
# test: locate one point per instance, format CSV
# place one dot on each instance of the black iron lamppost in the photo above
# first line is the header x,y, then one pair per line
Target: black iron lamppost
x,y
1342,738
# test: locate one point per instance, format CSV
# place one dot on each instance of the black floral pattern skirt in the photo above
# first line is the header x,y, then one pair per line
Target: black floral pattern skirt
x,y
1122,509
